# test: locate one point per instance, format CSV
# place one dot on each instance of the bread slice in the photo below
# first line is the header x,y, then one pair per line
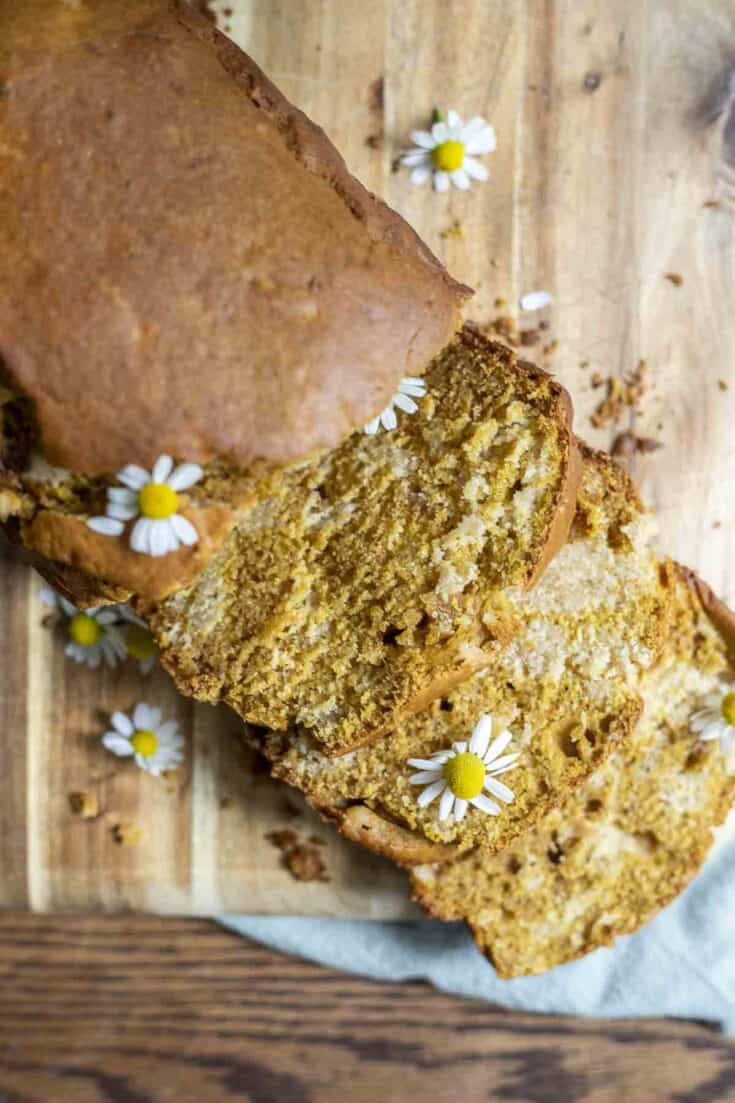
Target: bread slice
x,y
566,688
623,845
371,580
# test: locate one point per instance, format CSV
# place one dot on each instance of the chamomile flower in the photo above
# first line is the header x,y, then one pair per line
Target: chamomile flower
x,y
93,635
448,152
717,719
154,745
459,775
153,498
409,389
138,638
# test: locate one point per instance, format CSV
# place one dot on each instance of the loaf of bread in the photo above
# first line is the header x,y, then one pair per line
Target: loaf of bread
x,y
372,580
566,688
621,847
186,266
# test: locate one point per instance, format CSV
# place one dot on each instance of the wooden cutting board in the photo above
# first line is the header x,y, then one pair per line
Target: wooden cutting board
x,y
615,167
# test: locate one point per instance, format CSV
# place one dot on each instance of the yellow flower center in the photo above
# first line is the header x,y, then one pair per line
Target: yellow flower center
x,y
145,743
448,156
139,642
158,501
728,708
465,775
85,630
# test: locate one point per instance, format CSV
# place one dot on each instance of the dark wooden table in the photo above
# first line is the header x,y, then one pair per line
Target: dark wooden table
x,y
149,1010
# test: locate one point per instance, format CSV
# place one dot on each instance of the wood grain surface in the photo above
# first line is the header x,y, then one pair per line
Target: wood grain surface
x,y
615,167
144,1010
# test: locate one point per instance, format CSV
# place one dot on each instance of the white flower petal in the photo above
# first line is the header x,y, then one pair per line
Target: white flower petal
x,y
416,388
701,720
117,744
169,733
162,468
372,426
122,512
485,141
133,476
446,804
460,809
185,475
388,418
49,597
431,792
474,169
485,805
66,605
453,119
184,530
535,300
497,746
422,763
143,717
416,157
502,792
459,746
441,181
403,402
420,175
439,133
413,381
109,653
460,179
122,723
423,139
106,526
504,763
481,735
425,777
122,495
140,537
141,761
160,538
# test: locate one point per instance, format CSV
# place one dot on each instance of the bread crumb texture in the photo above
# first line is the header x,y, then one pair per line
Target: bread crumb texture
x,y
370,579
566,687
625,843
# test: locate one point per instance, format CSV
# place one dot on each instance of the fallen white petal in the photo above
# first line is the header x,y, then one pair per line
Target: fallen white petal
x,y
535,300
441,181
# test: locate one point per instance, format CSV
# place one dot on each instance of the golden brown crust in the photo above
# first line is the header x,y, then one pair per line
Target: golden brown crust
x,y
101,562
721,616
363,825
242,292
567,499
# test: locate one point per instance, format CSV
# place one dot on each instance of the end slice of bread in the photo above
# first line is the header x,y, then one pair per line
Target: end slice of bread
x,y
622,846
371,580
566,688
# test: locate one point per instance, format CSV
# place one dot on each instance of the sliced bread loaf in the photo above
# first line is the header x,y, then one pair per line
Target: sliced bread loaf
x,y
369,581
623,845
565,689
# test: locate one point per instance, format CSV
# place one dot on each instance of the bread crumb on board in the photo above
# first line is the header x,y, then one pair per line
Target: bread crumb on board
x,y
674,277
622,392
455,230
722,385
303,860
626,445
126,833
85,805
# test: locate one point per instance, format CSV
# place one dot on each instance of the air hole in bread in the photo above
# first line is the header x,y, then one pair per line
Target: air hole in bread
x,y
391,634
446,705
515,865
594,806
